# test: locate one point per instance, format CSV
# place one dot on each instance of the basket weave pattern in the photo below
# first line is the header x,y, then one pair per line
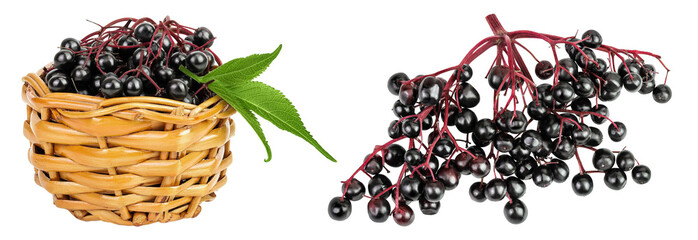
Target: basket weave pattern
x,y
127,160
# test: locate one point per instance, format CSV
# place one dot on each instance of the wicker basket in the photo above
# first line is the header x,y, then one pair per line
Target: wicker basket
x,y
127,160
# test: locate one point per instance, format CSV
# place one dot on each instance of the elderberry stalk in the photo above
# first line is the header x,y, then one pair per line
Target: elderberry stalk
x,y
534,132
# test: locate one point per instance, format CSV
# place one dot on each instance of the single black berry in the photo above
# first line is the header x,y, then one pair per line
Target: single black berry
x,y
603,159
568,69
71,44
560,170
477,192
625,160
403,215
111,87
465,73
434,191
641,174
81,75
582,184
563,92
515,187
617,132
408,93
602,110
592,39
411,187
564,149
632,82
430,91
524,170
584,87
177,89
449,176
484,129
64,60
378,184
401,110
374,165
468,96
466,120
479,167
133,86
661,93
505,165
503,142
203,37
615,179
395,81
59,83
595,138
544,69
144,31
496,77
542,176
394,155
196,61
106,62
411,128
496,189
427,207
355,191
515,211
339,209
395,129
378,210
444,147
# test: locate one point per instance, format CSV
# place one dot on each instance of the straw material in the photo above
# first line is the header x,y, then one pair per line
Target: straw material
x,y
127,160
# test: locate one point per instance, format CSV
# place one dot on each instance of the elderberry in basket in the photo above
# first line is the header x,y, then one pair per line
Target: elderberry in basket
x,y
135,57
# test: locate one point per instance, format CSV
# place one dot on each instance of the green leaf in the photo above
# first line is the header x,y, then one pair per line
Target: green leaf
x,y
252,120
270,104
233,82
243,69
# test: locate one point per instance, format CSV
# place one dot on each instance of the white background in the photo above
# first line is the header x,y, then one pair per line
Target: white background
x,y
334,66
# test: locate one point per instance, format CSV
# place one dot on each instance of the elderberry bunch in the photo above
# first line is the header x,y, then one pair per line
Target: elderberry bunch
x,y
527,141
141,57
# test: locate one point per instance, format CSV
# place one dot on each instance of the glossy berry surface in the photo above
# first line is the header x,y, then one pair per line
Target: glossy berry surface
x,y
339,209
449,176
355,190
641,174
429,91
429,208
542,176
515,211
544,69
615,179
403,215
661,93
477,192
516,188
582,184
434,191
496,189
378,209
411,188
203,37
379,184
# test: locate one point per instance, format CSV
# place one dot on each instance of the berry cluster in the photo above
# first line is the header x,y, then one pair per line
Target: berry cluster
x,y
135,57
532,143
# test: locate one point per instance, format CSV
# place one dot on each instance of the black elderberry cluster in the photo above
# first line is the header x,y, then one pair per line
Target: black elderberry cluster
x,y
140,61
531,144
